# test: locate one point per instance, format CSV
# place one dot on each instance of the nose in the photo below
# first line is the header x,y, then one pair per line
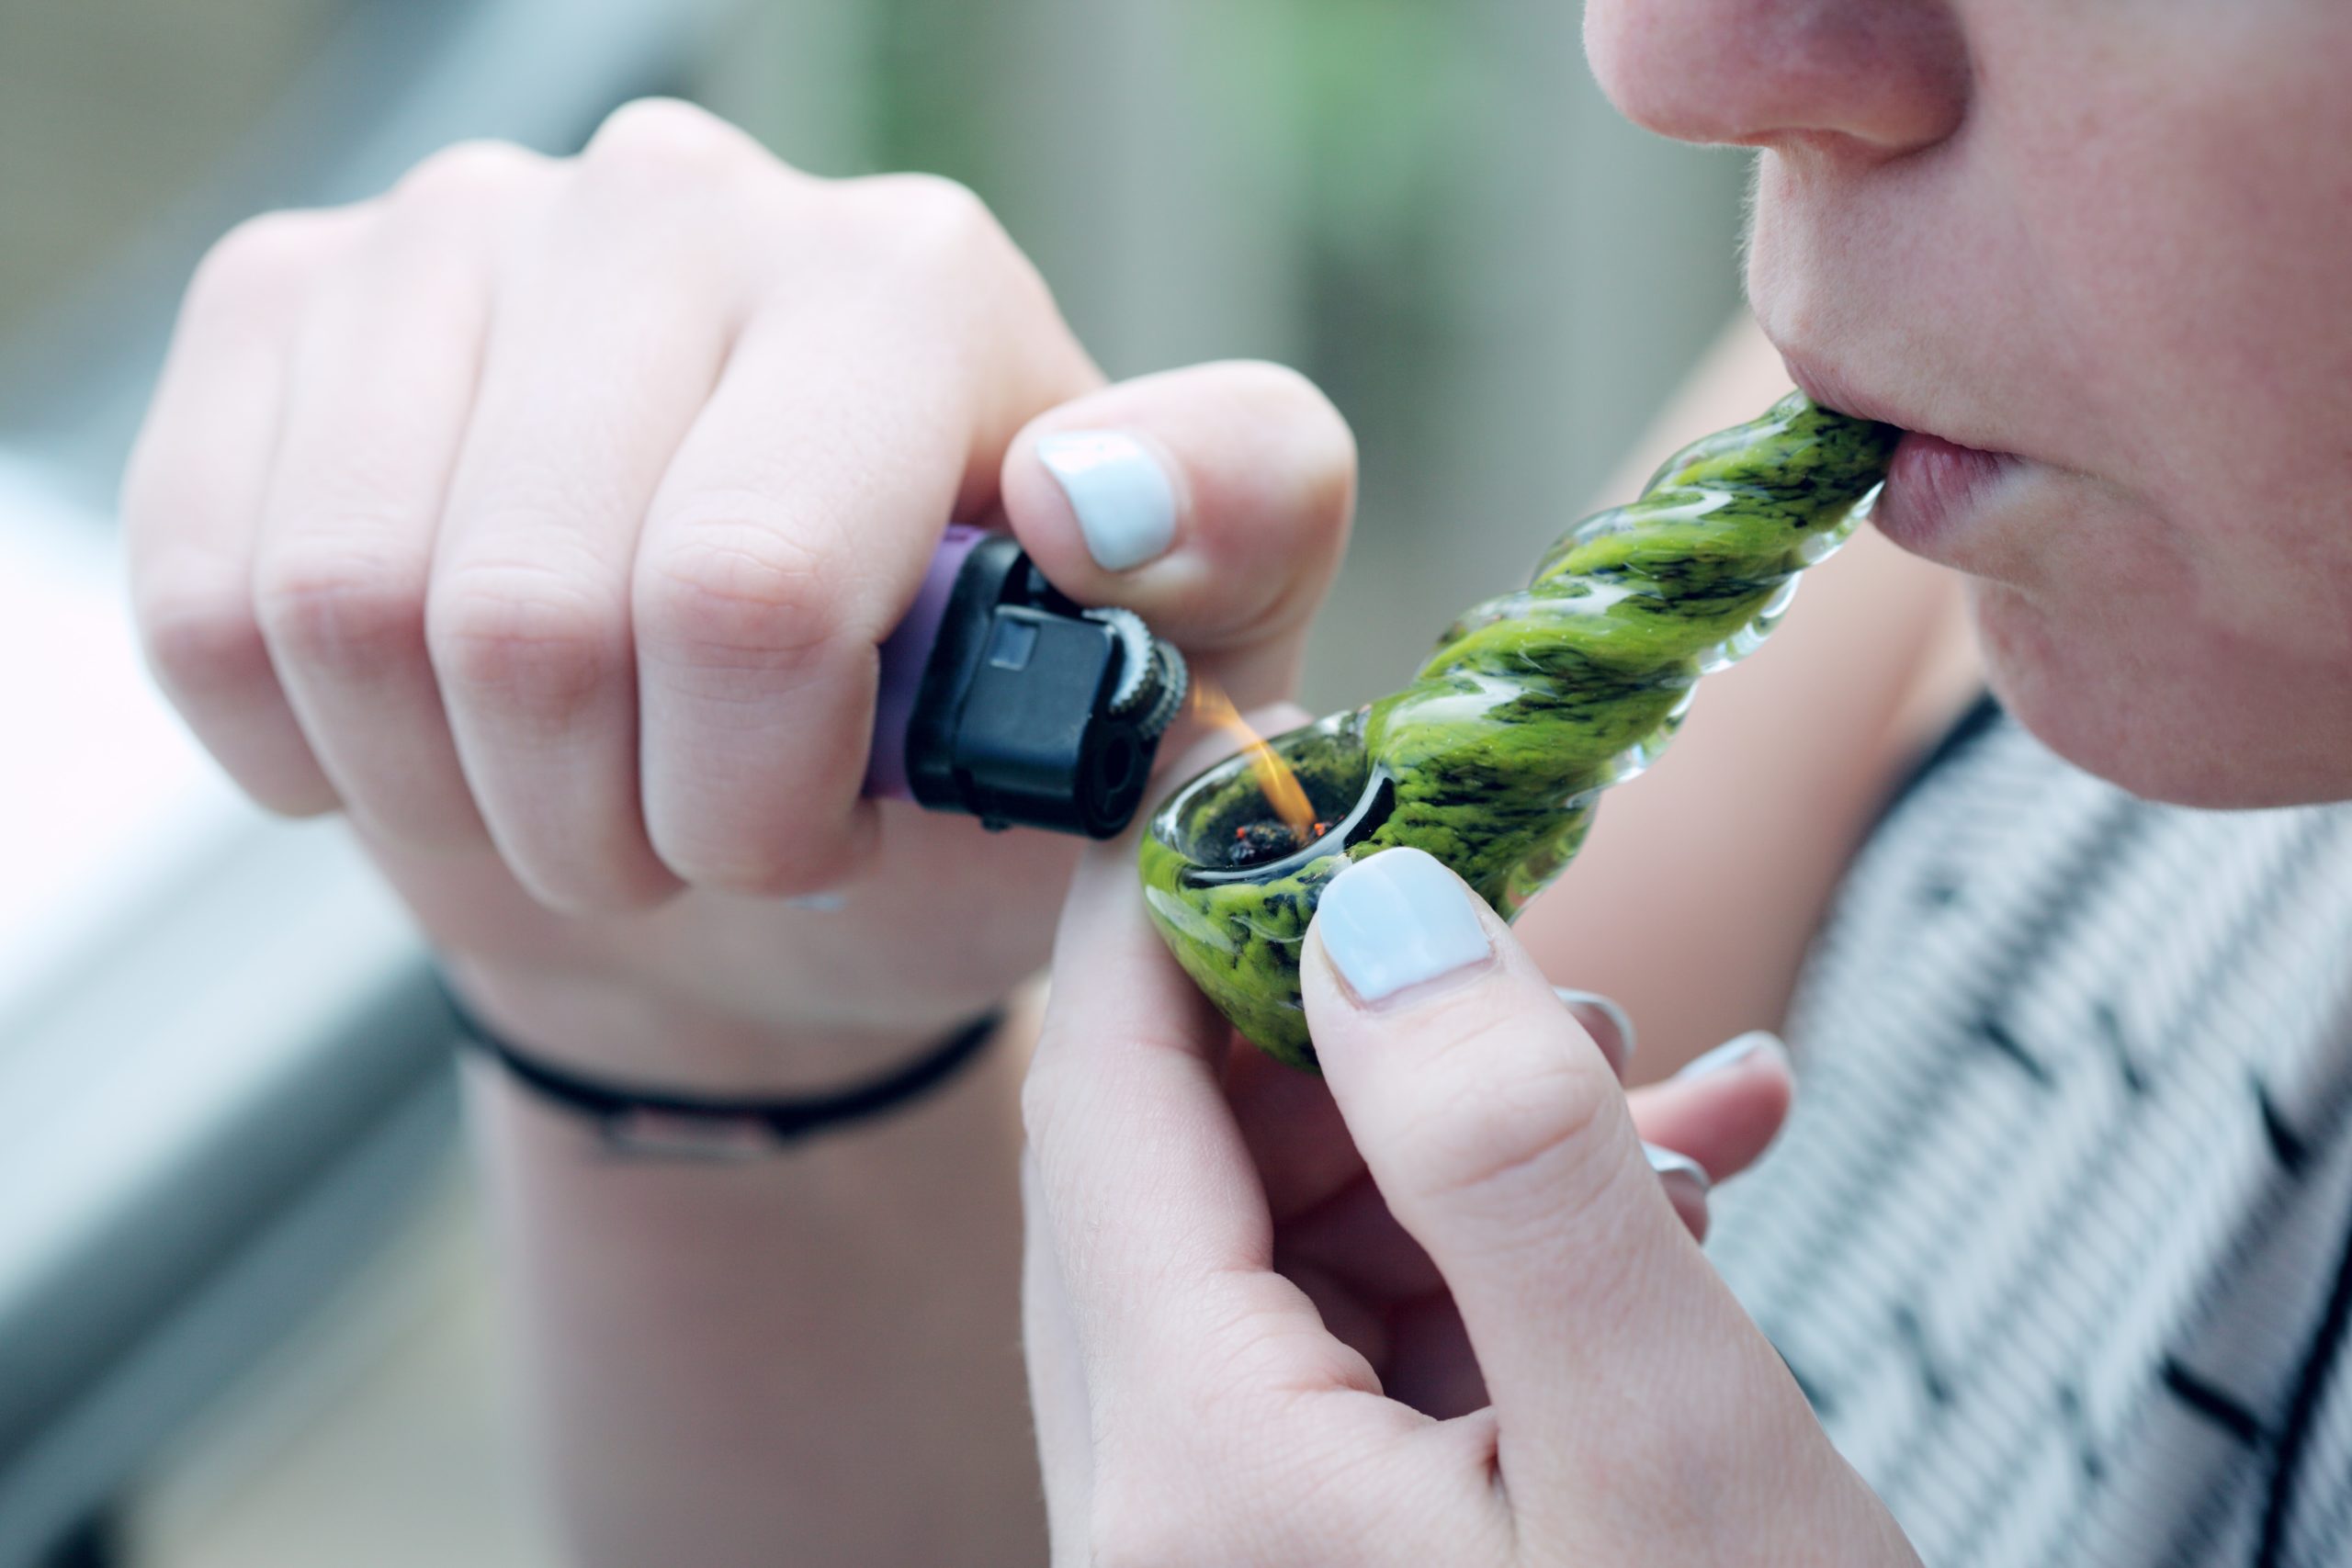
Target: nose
x,y
1877,78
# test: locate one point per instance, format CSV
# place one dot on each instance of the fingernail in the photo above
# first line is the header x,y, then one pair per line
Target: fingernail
x,y
1673,1166
1734,1051
1619,1018
822,903
1398,919
1685,1184
1126,505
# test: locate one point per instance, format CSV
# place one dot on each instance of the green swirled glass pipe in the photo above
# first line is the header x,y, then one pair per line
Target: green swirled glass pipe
x,y
1492,759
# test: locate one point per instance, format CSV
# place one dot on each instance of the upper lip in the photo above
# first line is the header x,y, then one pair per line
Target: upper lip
x,y
1832,390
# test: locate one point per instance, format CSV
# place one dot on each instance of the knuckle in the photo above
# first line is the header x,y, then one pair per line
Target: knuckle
x,y
535,635
334,604
200,639
663,138
466,171
934,221
1485,1139
918,197
255,262
739,595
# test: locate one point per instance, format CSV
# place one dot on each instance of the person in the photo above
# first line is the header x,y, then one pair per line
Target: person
x,y
2060,1255
543,517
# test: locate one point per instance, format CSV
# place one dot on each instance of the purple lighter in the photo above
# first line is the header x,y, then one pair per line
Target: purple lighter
x,y
1003,699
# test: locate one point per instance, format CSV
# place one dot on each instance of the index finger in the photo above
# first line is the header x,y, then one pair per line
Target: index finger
x,y
793,529
1157,1213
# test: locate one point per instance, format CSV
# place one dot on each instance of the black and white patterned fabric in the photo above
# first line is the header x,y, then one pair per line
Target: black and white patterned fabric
x,y
2058,1239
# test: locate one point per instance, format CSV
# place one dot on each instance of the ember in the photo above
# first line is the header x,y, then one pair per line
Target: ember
x,y
1259,842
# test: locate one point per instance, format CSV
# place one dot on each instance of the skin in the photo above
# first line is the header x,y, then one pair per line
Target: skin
x,y
499,514
2103,239
390,530
1432,1307
366,408
2106,239
542,517
1532,705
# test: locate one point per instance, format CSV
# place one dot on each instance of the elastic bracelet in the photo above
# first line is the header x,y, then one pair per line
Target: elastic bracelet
x,y
635,1122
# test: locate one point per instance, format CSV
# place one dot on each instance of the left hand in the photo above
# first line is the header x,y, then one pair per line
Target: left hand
x,y
1433,1308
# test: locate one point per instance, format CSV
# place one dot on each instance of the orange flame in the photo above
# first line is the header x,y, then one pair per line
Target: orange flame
x,y
1276,780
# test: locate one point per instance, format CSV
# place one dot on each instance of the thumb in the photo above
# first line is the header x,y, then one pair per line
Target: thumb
x,y
1498,1136
1213,501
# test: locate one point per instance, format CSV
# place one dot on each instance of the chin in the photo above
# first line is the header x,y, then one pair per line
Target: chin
x,y
2165,713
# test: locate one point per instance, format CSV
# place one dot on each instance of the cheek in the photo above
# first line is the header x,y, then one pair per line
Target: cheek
x,y
2186,195
2169,708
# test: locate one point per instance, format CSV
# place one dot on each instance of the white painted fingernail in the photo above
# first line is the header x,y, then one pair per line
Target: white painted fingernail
x,y
1684,1183
1396,919
1734,1051
1672,1167
1126,505
1618,1017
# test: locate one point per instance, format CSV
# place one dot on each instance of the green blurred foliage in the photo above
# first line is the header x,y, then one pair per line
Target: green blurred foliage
x,y
927,100
1372,96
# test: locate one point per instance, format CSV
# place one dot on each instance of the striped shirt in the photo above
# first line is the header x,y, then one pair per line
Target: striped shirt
x,y
2058,1238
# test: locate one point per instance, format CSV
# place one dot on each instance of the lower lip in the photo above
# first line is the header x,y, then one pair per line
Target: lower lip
x,y
1932,486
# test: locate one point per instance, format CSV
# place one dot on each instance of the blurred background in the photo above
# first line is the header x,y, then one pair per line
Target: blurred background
x,y
247,1313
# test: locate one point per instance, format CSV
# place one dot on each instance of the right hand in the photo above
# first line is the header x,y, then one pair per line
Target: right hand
x,y
543,515
1434,1306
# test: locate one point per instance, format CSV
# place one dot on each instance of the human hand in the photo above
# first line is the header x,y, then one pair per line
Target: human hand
x,y
543,515
1434,1308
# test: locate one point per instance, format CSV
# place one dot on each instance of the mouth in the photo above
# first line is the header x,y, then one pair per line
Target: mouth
x,y
1832,390
1935,485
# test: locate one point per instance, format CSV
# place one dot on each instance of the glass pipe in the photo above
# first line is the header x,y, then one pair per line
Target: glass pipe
x,y
1532,704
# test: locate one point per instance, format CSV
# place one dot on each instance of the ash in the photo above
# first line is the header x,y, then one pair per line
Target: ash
x,y
1260,842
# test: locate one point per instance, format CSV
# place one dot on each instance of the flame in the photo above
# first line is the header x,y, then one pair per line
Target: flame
x,y
1276,780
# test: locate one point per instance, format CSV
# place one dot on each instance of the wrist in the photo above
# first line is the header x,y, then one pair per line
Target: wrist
x,y
657,1121
632,1034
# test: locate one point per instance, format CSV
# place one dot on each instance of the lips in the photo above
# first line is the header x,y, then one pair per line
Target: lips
x,y
1933,484
1831,389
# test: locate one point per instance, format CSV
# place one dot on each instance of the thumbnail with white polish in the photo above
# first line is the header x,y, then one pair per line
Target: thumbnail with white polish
x,y
1126,505
1396,919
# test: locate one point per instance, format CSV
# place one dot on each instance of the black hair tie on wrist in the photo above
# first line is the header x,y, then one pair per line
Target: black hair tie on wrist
x,y
635,1122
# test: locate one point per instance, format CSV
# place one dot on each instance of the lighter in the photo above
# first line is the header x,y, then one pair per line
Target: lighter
x,y
1003,699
